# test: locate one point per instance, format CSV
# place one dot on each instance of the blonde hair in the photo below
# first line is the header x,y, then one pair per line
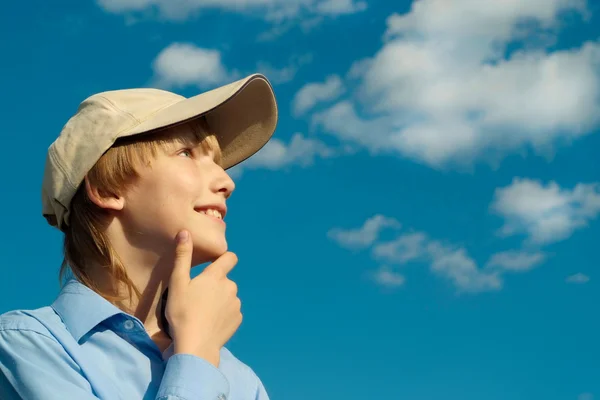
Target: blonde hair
x,y
85,243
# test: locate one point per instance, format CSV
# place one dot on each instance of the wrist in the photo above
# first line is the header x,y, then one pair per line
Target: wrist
x,y
210,354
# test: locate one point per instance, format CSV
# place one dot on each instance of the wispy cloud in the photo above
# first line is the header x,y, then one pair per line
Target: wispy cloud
x,y
403,249
387,277
364,236
299,151
273,10
277,154
578,278
285,74
546,213
339,7
455,264
445,95
542,213
514,260
444,259
313,93
585,396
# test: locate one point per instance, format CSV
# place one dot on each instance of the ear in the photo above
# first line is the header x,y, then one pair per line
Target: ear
x,y
107,201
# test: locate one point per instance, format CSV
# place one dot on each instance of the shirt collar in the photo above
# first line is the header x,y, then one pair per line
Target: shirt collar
x,y
81,309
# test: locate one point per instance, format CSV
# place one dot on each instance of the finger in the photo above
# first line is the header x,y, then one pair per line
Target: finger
x,y
222,265
183,261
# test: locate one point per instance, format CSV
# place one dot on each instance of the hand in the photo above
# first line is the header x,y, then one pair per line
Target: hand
x,y
204,312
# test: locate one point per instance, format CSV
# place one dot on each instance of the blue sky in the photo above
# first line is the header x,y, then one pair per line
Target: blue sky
x,y
424,225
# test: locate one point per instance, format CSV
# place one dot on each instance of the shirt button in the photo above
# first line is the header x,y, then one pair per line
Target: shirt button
x,y
222,397
129,324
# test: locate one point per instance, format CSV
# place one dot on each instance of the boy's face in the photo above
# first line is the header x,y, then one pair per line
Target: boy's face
x,y
181,189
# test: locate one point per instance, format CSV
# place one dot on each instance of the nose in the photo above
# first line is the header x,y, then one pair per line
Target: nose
x,y
223,183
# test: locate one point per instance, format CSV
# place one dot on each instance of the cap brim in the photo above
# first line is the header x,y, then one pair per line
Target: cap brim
x,y
243,115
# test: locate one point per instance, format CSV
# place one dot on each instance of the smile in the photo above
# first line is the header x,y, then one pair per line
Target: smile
x,y
212,214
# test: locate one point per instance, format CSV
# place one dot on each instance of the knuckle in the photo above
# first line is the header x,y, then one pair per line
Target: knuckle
x,y
181,251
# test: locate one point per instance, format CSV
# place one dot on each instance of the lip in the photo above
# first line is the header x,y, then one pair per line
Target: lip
x,y
222,208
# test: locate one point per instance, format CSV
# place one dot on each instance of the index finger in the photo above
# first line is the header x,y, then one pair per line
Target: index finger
x,y
222,265
180,275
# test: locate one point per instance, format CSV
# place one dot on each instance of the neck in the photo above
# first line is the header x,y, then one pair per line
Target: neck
x,y
149,270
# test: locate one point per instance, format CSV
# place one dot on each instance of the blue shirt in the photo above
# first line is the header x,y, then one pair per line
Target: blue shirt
x,y
83,347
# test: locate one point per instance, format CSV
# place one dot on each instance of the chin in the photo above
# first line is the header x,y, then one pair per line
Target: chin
x,y
204,252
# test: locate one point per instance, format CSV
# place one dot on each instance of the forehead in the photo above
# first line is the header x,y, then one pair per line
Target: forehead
x,y
180,133
189,135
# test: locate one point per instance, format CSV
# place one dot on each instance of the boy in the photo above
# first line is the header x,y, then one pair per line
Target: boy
x,y
137,183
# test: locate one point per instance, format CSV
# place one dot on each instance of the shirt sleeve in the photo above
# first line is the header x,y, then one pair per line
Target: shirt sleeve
x,y
190,377
35,366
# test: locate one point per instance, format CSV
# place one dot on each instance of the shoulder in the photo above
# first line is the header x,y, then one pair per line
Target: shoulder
x,y
29,321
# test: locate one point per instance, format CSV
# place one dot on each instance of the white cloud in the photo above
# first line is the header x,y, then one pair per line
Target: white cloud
x,y
385,276
585,396
313,93
359,68
578,278
478,21
351,128
517,261
455,264
364,236
403,249
338,7
299,151
448,261
283,74
546,213
447,95
182,9
277,75
274,10
182,64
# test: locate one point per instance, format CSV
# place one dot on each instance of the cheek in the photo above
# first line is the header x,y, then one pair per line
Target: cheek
x,y
161,204
165,198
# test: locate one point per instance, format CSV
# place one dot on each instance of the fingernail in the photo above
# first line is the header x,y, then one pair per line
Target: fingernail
x,y
182,236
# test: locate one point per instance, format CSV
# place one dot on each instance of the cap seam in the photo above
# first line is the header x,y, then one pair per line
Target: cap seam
x,y
114,106
140,121
52,153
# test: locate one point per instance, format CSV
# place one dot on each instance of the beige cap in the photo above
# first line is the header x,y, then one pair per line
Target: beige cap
x,y
242,115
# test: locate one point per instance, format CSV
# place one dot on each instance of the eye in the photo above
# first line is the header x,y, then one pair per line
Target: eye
x,y
185,153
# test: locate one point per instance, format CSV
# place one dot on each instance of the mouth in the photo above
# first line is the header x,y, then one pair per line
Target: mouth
x,y
214,212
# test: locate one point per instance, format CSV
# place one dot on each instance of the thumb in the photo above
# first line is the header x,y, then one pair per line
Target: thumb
x,y
183,261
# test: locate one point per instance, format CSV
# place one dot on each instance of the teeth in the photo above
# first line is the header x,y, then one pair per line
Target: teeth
x,y
211,212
